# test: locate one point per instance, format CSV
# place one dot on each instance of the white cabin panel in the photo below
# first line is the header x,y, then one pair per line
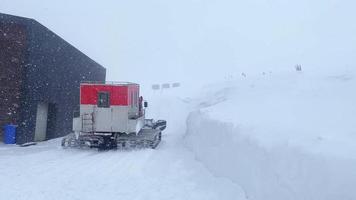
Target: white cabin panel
x,y
120,119
103,120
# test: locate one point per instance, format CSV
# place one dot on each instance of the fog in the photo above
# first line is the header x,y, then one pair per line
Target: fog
x,y
199,41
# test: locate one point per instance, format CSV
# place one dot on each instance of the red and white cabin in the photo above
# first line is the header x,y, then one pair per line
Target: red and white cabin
x,y
109,108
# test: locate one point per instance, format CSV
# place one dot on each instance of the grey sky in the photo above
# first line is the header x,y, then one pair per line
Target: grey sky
x,y
185,40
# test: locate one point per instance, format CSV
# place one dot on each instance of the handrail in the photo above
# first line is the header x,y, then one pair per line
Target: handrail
x,y
108,83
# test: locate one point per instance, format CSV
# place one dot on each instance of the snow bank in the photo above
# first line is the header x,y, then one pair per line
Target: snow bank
x,y
282,172
279,138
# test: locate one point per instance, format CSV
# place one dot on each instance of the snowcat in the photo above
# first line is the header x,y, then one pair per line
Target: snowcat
x,y
112,115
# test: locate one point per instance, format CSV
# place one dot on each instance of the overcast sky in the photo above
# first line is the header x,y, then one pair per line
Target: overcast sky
x,y
185,40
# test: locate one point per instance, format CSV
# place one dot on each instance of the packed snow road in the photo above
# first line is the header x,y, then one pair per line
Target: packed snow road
x,y
46,171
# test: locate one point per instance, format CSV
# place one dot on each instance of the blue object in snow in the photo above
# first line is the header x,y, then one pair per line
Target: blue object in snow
x,y
10,134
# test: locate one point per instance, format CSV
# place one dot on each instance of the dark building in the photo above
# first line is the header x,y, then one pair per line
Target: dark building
x,y
40,75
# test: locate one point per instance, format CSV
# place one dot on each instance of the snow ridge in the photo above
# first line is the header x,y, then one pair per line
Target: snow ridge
x,y
280,137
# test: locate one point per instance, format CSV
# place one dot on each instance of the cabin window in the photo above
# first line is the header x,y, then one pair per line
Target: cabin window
x,y
103,100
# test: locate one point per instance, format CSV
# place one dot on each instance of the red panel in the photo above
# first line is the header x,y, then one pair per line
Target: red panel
x,y
118,94
132,89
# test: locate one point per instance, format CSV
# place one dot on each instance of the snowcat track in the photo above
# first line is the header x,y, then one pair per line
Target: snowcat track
x,y
148,138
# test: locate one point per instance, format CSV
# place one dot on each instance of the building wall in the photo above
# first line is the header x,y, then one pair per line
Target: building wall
x,y
12,55
52,70
53,75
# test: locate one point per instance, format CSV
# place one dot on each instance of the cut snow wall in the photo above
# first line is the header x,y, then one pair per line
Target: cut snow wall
x,y
282,172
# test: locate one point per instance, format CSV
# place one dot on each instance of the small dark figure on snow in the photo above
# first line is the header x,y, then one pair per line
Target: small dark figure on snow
x,y
298,68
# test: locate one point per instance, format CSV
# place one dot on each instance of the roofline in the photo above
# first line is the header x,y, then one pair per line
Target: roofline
x,y
2,15
23,19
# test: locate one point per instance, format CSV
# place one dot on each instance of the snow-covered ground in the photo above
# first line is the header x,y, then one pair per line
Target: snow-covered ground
x,y
267,136
46,171
280,136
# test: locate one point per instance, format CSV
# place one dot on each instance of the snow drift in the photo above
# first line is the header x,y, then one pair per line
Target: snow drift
x,y
286,136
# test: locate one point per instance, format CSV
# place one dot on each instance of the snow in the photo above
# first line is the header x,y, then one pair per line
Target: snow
x,y
46,171
260,133
279,136
312,111
264,136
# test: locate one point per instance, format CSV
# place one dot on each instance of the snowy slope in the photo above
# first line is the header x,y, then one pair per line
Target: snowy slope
x,y
280,136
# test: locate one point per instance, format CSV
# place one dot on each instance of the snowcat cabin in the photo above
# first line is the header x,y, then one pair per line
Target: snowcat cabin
x,y
103,96
112,116
102,106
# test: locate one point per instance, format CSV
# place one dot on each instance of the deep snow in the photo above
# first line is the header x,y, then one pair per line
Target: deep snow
x,y
267,136
280,136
